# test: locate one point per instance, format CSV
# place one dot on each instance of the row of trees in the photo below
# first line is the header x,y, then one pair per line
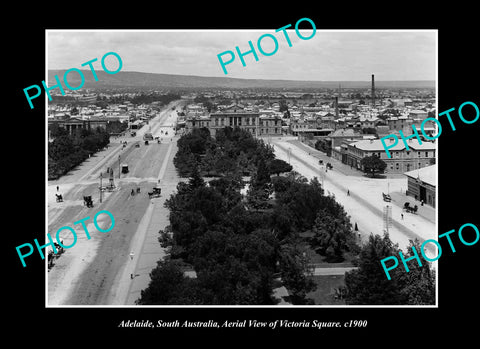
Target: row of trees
x,y
105,100
68,150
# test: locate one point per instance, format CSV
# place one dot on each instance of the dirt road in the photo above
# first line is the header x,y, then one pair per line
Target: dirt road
x,y
86,273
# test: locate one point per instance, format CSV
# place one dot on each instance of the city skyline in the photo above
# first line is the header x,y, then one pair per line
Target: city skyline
x,y
329,55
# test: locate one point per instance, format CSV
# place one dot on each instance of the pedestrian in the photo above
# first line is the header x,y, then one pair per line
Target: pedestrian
x,y
57,188
402,216
348,192
131,255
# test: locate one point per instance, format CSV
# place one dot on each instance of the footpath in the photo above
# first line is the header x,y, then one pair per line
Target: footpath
x,y
145,249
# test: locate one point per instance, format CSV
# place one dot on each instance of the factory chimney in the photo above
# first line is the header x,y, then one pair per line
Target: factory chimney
x,y
373,90
336,107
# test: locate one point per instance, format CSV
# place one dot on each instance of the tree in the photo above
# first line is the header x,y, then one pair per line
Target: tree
x,y
303,200
229,187
169,286
368,284
324,146
260,187
236,268
295,273
332,236
418,285
373,164
185,161
208,162
277,166
369,130
282,105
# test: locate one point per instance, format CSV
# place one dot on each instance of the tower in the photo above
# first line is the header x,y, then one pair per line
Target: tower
x,y
373,90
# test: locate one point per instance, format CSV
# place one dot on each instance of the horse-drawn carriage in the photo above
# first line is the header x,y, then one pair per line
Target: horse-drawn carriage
x,y
386,197
87,201
409,208
155,193
59,197
329,166
54,255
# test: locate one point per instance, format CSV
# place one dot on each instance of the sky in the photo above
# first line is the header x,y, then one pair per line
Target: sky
x,y
327,56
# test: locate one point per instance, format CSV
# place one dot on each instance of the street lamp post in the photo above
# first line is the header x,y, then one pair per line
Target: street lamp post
x,y
289,153
119,167
322,175
100,187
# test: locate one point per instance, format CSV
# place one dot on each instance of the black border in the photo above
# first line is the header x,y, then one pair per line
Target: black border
x,y
458,78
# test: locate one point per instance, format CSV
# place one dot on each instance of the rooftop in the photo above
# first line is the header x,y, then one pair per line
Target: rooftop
x,y
376,145
426,174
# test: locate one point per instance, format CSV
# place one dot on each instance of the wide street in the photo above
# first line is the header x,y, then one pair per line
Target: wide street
x,y
364,203
99,271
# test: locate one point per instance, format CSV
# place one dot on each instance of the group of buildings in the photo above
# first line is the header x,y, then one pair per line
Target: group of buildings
x,y
350,130
344,134
92,117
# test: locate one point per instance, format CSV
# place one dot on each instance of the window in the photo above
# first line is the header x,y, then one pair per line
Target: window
x,y
426,154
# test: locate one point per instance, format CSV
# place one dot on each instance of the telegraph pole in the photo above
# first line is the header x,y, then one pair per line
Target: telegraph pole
x,y
100,187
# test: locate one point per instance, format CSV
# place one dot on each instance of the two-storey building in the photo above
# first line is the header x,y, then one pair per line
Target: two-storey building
x,y
402,160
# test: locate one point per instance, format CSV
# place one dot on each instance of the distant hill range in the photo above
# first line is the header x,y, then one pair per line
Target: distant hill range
x,y
130,79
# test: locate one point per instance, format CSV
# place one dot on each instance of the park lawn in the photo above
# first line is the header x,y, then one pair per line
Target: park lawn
x,y
319,261
326,284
